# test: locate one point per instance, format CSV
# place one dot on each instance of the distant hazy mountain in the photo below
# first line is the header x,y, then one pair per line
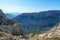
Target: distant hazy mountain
x,y
40,21
12,15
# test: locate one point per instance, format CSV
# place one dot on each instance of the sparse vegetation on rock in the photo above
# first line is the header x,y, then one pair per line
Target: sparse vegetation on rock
x,y
53,34
9,29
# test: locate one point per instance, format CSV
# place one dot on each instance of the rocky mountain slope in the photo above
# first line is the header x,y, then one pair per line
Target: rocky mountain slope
x,y
5,23
39,21
53,34
10,29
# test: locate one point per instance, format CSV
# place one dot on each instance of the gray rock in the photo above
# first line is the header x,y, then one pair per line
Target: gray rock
x,y
9,26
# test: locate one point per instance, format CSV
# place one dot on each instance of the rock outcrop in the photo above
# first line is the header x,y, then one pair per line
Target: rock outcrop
x,y
53,34
10,26
10,29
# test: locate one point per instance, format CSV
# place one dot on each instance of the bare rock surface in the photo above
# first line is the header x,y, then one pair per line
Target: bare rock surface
x,y
10,29
53,34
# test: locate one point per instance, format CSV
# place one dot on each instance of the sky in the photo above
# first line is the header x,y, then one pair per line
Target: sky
x,y
22,6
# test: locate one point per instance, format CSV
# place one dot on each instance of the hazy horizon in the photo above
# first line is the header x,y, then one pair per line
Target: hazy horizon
x,y
23,6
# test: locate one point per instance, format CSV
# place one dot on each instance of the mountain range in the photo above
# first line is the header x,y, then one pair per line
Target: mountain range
x,y
12,15
43,25
38,21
